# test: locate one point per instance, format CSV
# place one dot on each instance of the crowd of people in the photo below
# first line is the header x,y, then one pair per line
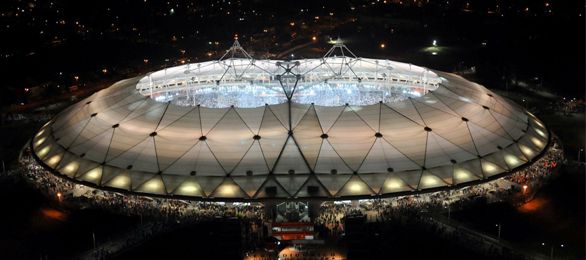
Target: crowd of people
x,y
330,214
520,184
569,105
535,172
242,96
9,117
413,214
323,94
338,94
68,192
331,217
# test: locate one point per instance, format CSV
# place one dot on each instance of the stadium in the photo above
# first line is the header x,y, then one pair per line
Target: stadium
x,y
338,127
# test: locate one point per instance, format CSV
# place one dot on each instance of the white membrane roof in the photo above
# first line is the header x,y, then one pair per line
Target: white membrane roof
x,y
456,132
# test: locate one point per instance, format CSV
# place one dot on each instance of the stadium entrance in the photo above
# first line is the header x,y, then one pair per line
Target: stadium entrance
x,y
292,220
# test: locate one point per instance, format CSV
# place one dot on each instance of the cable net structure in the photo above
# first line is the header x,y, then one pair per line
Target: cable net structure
x,y
337,127
336,79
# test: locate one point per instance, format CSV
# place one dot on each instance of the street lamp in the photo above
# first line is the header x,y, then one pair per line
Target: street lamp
x,y
525,188
59,196
551,249
499,230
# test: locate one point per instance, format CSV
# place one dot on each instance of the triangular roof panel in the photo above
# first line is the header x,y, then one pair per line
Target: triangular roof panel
x,y
375,181
355,186
253,162
252,117
328,160
394,183
328,115
291,160
291,183
198,159
428,181
155,185
273,136
228,189
308,136
312,188
272,189
333,182
383,157
229,140
250,184
351,138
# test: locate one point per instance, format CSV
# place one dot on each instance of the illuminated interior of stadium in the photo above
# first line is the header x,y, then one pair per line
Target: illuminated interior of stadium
x,y
241,81
336,127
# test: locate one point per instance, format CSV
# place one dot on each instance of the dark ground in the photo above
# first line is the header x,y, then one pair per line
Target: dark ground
x,y
555,216
34,227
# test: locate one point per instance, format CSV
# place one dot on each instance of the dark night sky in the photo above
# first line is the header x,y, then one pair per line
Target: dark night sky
x,y
50,42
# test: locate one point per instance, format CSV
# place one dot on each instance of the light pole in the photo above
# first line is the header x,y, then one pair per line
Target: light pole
x,y
580,150
551,249
499,231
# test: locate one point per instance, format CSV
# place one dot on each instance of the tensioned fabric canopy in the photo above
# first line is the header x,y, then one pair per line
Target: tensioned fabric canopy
x,y
455,132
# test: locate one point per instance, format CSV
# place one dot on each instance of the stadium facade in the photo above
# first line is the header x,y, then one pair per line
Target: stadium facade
x,y
336,127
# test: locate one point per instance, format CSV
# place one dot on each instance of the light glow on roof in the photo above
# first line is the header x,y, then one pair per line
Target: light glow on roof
x,y
93,174
120,181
